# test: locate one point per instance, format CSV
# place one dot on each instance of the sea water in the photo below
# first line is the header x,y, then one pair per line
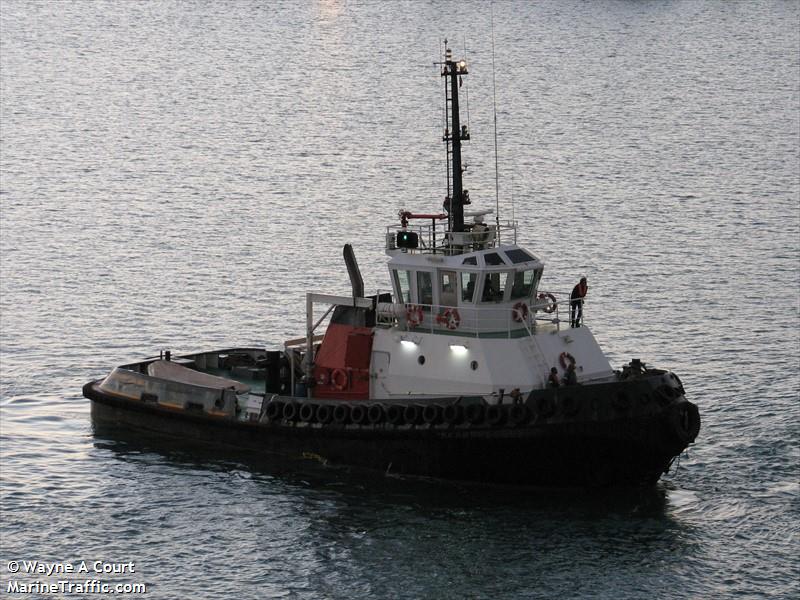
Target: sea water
x,y
177,175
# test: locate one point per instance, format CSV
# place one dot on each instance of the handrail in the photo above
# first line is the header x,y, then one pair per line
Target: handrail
x,y
564,298
301,342
501,319
445,241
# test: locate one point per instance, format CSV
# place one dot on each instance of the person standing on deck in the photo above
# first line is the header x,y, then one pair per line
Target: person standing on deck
x,y
571,378
576,302
553,380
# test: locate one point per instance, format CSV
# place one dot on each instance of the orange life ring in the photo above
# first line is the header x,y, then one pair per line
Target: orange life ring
x,y
520,312
551,306
339,379
450,318
414,315
564,357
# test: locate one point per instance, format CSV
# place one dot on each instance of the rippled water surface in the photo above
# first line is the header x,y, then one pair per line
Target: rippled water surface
x,y
179,174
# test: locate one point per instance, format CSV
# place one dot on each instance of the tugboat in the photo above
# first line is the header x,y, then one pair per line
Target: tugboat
x,y
467,371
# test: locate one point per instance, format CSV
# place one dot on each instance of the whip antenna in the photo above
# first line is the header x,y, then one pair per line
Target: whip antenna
x,y
513,214
494,110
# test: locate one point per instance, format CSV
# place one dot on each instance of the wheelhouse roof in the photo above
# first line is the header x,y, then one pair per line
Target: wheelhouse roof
x,y
500,258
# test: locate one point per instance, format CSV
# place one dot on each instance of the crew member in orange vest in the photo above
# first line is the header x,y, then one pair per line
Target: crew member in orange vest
x,y
576,302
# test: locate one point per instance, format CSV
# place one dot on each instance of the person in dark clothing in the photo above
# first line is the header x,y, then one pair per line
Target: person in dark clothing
x,y
553,380
571,378
576,302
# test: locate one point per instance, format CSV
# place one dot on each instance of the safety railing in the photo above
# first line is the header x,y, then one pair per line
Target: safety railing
x,y
439,240
557,308
489,320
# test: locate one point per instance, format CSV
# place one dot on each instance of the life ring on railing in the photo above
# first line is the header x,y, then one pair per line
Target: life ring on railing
x,y
520,312
564,357
550,306
339,379
414,315
450,318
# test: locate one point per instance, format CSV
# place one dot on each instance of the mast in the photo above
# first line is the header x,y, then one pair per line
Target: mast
x,y
454,133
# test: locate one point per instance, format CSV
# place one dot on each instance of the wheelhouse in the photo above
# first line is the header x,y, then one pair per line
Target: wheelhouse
x,y
491,290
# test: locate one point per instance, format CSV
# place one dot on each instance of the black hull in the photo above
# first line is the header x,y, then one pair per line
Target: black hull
x,y
625,433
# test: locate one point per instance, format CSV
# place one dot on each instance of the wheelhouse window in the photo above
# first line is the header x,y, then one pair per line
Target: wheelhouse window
x,y
494,285
424,287
518,255
523,284
493,259
448,286
402,282
469,281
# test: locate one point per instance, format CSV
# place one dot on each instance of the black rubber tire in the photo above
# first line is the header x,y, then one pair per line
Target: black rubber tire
x,y
453,414
495,415
375,414
694,421
394,414
290,411
412,414
474,413
545,407
324,413
663,395
570,406
621,401
686,422
431,414
306,413
341,414
518,414
358,414
274,410
678,381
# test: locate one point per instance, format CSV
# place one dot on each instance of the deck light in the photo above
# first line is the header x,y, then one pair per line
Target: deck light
x,y
458,349
408,344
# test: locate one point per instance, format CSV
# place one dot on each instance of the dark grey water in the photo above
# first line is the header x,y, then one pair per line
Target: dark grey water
x,y
179,174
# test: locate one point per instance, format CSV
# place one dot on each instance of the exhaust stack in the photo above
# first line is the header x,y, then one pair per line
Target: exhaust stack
x,y
352,269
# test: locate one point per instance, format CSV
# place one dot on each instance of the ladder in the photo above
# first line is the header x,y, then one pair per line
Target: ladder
x,y
535,356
